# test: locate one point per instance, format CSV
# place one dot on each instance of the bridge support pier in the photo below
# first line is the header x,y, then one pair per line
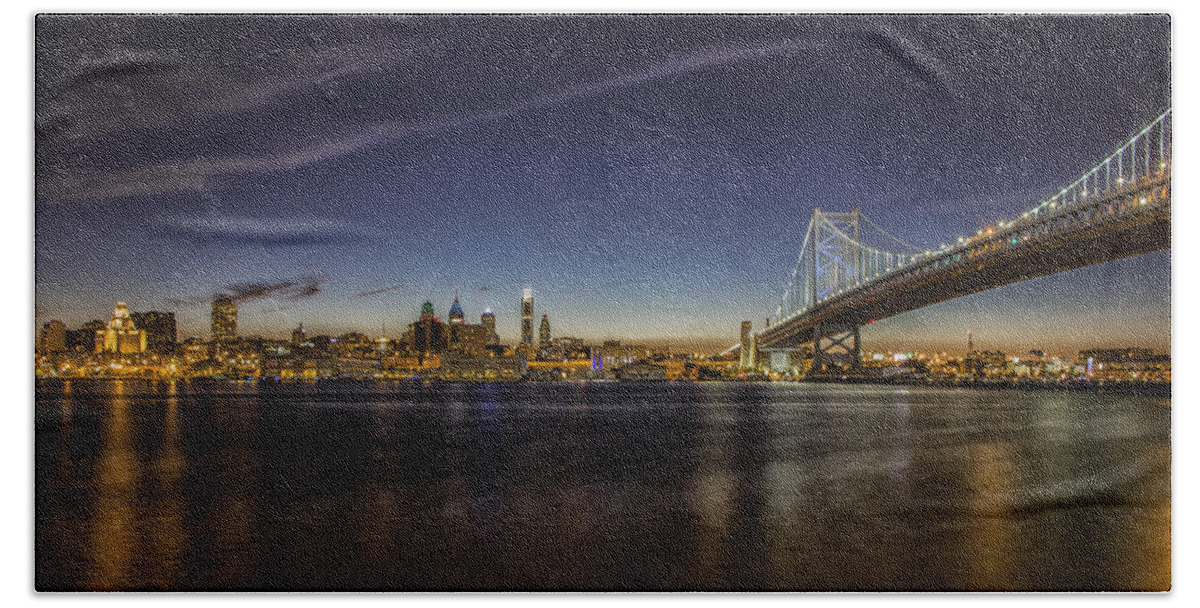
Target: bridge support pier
x,y
827,344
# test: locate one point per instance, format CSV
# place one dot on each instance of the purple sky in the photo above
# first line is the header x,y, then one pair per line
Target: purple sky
x,y
651,177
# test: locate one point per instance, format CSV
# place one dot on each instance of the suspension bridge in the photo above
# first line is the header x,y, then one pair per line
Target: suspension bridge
x,y
851,272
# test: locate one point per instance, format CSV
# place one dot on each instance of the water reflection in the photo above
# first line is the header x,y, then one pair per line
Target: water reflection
x,y
113,529
661,486
230,524
713,493
990,537
167,533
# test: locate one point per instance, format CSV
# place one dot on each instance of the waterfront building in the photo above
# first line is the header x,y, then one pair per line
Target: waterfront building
x,y
1126,364
121,336
53,337
224,319
194,350
160,330
617,354
354,345
466,367
642,372
469,339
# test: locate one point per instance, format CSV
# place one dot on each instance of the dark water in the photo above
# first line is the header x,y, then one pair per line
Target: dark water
x,y
144,485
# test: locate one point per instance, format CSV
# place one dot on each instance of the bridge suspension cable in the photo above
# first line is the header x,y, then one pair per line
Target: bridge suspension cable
x,y
834,256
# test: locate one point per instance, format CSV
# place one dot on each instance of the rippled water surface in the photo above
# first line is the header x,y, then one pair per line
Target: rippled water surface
x,y
383,486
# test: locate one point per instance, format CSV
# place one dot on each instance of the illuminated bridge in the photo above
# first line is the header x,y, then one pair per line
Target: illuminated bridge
x,y
851,272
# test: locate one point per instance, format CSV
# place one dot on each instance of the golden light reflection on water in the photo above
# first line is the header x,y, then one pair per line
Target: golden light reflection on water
x,y
65,429
113,537
1153,570
991,534
168,535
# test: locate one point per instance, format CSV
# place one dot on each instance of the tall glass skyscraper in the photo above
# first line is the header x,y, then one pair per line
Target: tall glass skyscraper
x,y
224,318
527,317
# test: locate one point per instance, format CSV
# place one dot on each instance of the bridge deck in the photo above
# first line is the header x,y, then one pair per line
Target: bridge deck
x,y
1133,221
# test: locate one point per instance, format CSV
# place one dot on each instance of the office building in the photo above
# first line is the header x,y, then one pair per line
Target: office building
x,y
544,333
429,333
160,330
488,321
527,318
121,336
53,337
224,319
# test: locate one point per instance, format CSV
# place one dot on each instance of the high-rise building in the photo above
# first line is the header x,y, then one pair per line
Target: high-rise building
x,y
456,312
53,337
84,338
747,346
160,330
121,336
299,336
224,318
488,321
428,334
527,317
544,332
457,321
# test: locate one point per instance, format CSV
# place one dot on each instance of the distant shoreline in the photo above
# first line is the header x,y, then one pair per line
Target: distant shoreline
x,y
1134,388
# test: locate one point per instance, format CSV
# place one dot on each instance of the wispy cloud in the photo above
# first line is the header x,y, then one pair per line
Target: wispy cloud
x,y
381,290
201,172
280,290
237,230
197,173
287,289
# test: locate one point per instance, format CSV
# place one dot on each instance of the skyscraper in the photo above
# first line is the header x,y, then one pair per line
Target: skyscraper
x,y
428,334
224,318
121,336
544,332
160,330
457,321
488,321
84,338
53,338
456,312
299,336
527,318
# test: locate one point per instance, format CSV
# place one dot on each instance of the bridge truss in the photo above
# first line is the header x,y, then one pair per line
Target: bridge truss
x,y
846,256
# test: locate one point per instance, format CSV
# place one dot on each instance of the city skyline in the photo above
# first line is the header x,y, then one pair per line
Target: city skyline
x,y
656,197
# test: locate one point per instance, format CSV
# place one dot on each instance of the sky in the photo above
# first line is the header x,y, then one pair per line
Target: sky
x,y
650,177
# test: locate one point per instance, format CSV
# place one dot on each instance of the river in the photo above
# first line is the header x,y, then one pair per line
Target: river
x,y
144,485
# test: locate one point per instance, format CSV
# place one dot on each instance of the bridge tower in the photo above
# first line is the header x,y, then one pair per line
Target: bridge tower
x,y
836,260
851,273
747,347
